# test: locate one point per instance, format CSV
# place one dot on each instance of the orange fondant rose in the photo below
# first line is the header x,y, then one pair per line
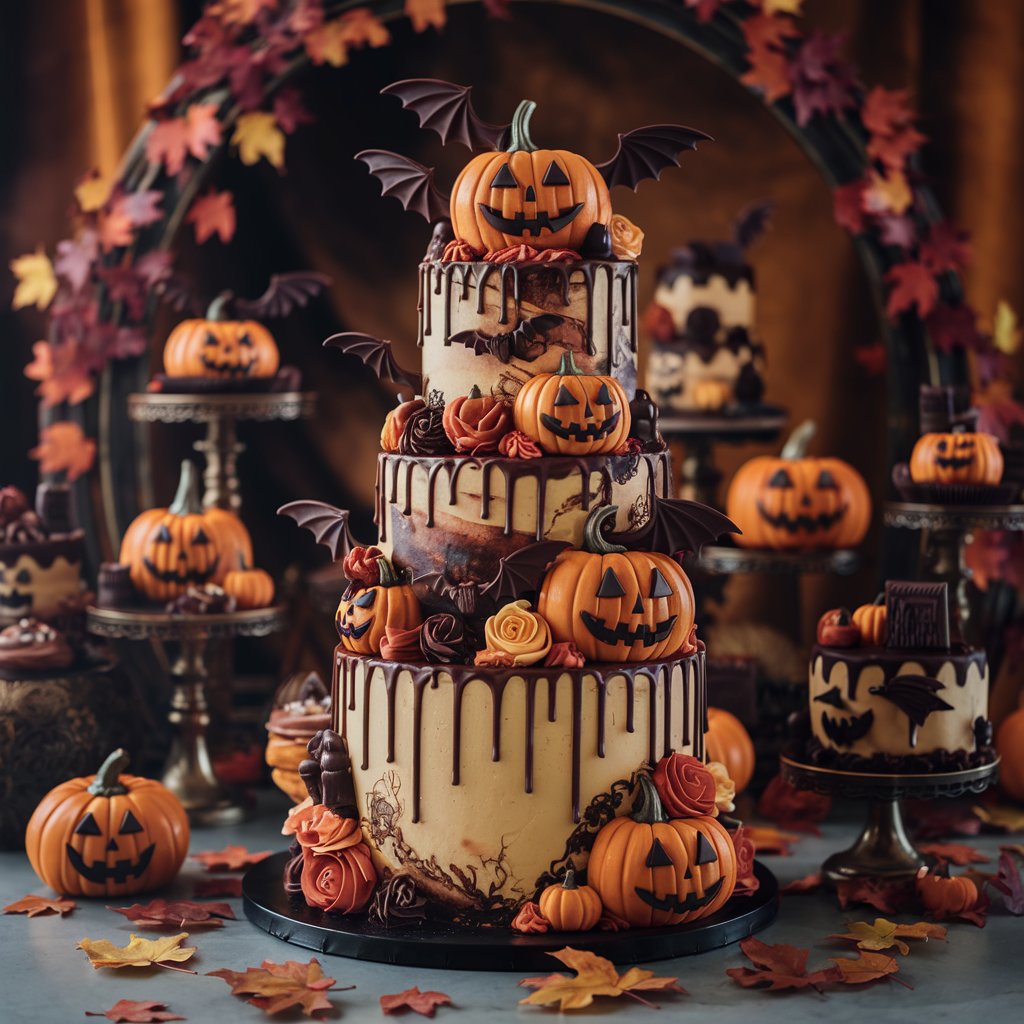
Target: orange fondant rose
x,y
520,632
529,920
725,788
627,238
517,445
394,424
460,251
746,881
494,659
342,882
564,655
476,423
513,254
297,817
361,566
323,831
686,787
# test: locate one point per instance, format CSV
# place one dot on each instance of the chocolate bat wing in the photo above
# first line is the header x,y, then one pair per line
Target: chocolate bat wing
x,y
180,296
447,109
377,355
916,696
329,525
410,183
646,152
523,571
751,223
284,293
676,525
479,343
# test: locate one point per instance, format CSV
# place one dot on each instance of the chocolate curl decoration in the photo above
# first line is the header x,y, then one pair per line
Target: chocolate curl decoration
x,y
327,773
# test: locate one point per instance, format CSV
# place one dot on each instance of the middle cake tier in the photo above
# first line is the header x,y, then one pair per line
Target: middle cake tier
x,y
461,514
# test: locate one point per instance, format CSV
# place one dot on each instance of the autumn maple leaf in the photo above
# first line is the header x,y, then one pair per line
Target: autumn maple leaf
x,y
63,447
258,137
848,206
1007,881
139,952
132,1011
1007,817
768,56
886,897
92,191
167,144
231,858
61,374
705,10
1006,331
160,913
954,326
778,967
953,853
76,258
866,967
425,14
275,987
912,286
808,883
885,934
897,230
34,906
202,129
213,214
946,247
887,193
423,1003
114,228
823,82
37,283
800,810
290,111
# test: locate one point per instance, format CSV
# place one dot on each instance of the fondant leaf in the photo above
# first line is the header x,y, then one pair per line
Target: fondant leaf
x,y
885,934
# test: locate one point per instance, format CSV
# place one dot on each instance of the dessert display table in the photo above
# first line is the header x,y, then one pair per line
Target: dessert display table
x,y
189,773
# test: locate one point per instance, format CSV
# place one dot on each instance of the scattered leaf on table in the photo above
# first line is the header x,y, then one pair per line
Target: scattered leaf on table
x,y
778,967
809,883
866,967
139,952
1002,816
595,976
275,987
34,906
767,839
954,853
37,283
798,809
221,885
1007,881
423,1003
231,858
885,934
176,914
888,897
132,1011
939,819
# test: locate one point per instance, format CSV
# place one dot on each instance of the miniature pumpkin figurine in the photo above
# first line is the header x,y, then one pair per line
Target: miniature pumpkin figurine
x,y
546,198
960,457
728,741
945,896
798,503
838,628
613,604
250,587
870,619
107,834
167,550
362,617
573,413
654,872
220,347
569,907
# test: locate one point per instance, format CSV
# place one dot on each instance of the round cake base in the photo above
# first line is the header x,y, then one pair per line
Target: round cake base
x,y
490,949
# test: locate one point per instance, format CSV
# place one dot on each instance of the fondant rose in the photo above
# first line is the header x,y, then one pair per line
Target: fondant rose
x,y
558,256
397,902
342,883
443,639
401,644
725,788
395,421
513,254
517,445
13,504
361,565
564,655
631,446
327,832
659,323
476,423
494,659
460,251
627,238
292,874
424,434
746,881
691,645
520,632
529,920
686,787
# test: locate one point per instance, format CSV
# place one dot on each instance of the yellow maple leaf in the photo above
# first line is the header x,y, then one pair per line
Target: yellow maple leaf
x,y
92,192
888,193
139,952
595,976
37,283
257,136
328,44
865,967
783,7
425,14
884,934
1004,816
1006,331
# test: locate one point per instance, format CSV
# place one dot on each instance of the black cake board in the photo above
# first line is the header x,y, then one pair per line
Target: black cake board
x,y
437,945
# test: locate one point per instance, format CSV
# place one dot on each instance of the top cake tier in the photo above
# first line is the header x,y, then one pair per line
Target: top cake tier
x,y
496,325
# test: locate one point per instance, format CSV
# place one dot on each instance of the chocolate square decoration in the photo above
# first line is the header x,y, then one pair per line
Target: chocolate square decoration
x,y
917,615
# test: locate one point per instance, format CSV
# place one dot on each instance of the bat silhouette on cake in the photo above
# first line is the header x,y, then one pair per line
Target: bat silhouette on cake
x,y
675,525
284,293
525,341
327,523
916,696
377,354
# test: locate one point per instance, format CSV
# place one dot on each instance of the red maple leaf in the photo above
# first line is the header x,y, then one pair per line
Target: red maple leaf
x,y
953,853
154,267
872,358
798,809
912,286
893,150
937,820
424,1003
768,56
887,111
946,248
954,326
231,858
290,111
213,214
1008,882
897,230
809,883
779,967
167,144
848,206
888,897
202,129
135,1011
823,82
62,373
76,257
176,914
705,9
124,285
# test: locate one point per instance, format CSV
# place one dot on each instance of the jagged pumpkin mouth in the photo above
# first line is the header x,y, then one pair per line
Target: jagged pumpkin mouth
x,y
794,524
953,461
15,599
675,904
844,731
520,224
580,431
354,632
233,367
620,633
99,871
182,576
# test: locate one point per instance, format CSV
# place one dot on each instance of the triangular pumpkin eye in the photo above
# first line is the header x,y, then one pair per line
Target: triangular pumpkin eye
x,y
554,175
826,481
163,535
780,478
603,396
565,396
705,851
200,537
129,824
659,585
87,826
610,585
657,857
365,599
504,178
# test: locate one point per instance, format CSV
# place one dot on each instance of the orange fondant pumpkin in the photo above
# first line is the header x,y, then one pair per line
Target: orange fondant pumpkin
x,y
544,198
107,834
616,605
870,619
653,872
957,458
573,413
1010,745
219,347
945,896
729,742
569,907
251,588
167,550
362,617
798,503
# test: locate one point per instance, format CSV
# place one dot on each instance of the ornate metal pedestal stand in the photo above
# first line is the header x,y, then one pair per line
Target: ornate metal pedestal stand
x,y
188,772
883,849
725,560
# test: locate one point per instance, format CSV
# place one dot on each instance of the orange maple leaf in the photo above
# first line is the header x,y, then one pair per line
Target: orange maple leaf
x,y
423,1003
231,858
276,987
866,967
202,129
167,144
887,193
64,447
913,285
61,377
34,906
425,14
213,214
767,56
134,1011
778,967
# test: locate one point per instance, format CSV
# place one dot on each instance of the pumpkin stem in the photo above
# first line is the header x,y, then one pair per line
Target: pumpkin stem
x,y
220,308
186,498
796,446
106,782
879,598
567,367
519,131
593,535
388,576
474,392
569,881
648,809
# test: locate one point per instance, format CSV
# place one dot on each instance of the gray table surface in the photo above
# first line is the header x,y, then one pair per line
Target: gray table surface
x,y
976,975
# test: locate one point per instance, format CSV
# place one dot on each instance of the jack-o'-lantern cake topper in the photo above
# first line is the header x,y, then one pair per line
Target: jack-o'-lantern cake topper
x,y
516,193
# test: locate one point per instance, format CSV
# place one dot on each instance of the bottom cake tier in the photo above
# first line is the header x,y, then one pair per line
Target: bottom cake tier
x,y
486,783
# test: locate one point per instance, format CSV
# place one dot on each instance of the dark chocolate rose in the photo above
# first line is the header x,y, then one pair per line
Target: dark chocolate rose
x,y
293,870
424,434
443,639
397,902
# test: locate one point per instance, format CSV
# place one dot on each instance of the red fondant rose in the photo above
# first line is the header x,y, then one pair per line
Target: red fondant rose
x,y
564,655
460,251
361,565
476,423
687,789
517,445
338,882
529,920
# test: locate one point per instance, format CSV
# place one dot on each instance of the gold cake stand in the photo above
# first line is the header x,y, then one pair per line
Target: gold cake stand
x,y
883,849
189,772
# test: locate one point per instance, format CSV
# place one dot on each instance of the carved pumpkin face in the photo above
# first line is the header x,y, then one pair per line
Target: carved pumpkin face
x,y
957,458
573,413
545,198
28,587
362,617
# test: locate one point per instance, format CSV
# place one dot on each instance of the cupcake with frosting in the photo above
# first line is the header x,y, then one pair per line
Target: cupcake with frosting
x,y
302,708
32,646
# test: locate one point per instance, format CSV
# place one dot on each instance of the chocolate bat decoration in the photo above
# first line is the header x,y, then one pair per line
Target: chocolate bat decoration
x,y
844,732
916,696
516,343
284,293
329,525
375,353
676,525
180,296
465,596
751,223
645,152
523,571
447,109
409,182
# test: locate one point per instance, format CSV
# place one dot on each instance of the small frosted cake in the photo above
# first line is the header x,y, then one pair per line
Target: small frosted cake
x,y
891,691
302,708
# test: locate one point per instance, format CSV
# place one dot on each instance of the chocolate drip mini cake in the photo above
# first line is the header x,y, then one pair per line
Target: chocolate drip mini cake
x,y
891,691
